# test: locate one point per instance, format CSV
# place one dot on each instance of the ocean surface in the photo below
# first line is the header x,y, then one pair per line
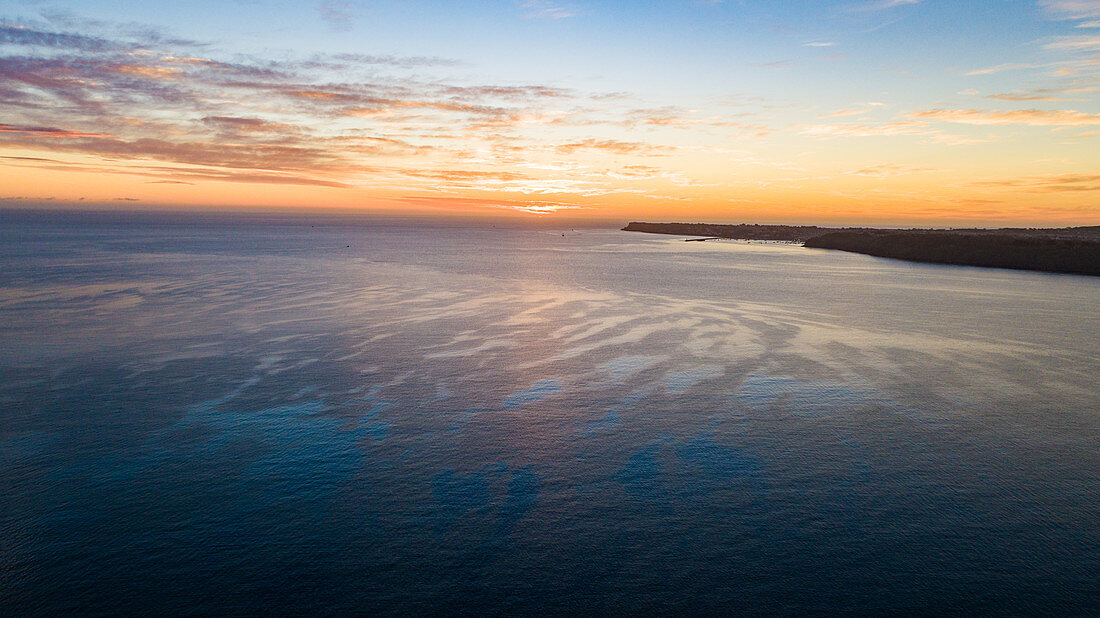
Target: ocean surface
x,y
273,416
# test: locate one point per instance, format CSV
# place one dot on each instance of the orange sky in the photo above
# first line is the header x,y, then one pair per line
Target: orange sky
x,y
853,114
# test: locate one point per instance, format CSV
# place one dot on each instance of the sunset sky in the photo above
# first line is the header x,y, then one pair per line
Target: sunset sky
x,y
879,112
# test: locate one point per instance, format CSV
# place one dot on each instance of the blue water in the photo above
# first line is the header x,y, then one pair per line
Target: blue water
x,y
286,415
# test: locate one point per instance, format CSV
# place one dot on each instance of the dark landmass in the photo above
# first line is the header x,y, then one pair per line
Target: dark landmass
x,y
1074,250
1043,252
793,233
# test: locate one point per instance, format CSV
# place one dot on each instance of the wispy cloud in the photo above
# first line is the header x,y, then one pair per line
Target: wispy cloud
x,y
338,15
1010,96
1052,94
545,9
612,146
675,117
845,112
1058,183
50,132
882,5
863,130
13,34
1071,9
165,174
913,127
1000,68
1085,43
188,114
1034,117
886,170
464,177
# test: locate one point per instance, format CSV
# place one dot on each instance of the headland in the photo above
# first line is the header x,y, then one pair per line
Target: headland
x,y
1072,250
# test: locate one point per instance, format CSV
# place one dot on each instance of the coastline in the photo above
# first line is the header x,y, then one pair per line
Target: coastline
x,y
1074,250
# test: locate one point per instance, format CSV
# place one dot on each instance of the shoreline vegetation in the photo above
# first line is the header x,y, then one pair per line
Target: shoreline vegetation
x,y
1071,250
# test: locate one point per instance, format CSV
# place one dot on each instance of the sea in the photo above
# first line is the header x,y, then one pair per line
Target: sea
x,y
311,415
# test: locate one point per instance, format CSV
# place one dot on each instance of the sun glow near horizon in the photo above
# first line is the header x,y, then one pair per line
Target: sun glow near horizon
x,y
840,112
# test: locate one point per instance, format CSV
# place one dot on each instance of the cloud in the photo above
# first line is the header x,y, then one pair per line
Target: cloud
x,y
1060,183
845,112
238,125
882,5
389,106
154,72
338,61
246,177
543,9
1043,94
1071,9
35,159
50,132
172,174
889,129
133,34
1086,43
951,139
189,113
640,171
864,130
1008,96
612,146
23,35
885,170
463,176
1000,68
507,92
1034,117
672,116
242,155
338,15
25,198
819,44
180,110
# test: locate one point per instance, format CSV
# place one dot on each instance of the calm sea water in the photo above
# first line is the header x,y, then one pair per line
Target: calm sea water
x,y
268,417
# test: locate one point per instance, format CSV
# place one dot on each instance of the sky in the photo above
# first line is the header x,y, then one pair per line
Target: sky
x,y
861,112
